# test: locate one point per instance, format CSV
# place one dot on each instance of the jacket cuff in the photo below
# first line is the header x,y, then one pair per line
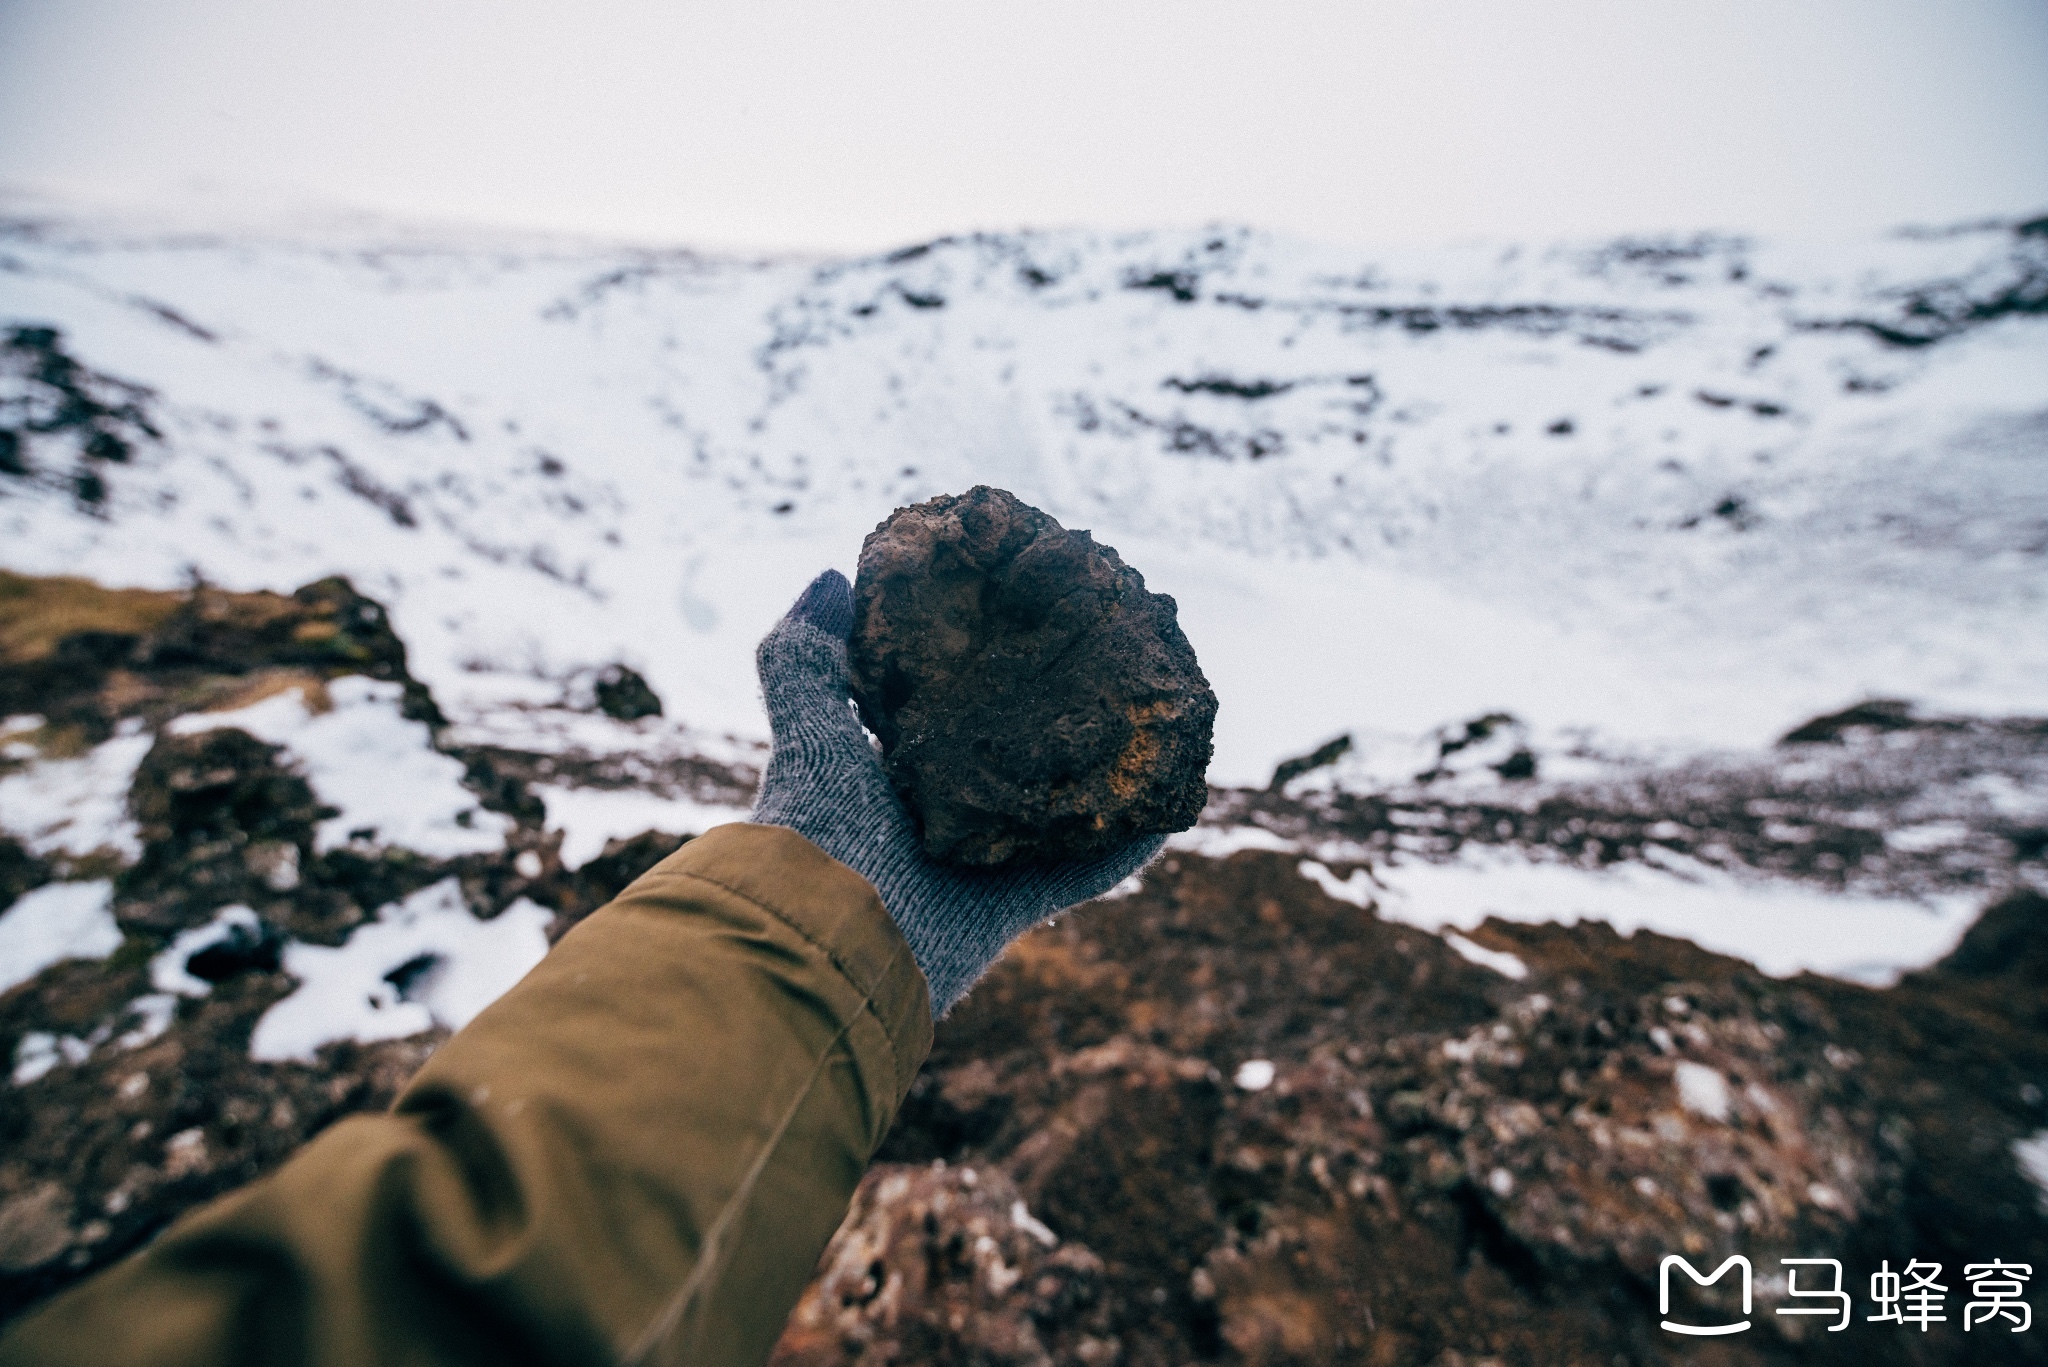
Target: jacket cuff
x,y
834,909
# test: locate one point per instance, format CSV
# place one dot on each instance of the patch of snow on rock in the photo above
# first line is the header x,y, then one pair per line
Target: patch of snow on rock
x,y
1358,889
1784,929
423,962
81,804
39,1051
1254,1074
1022,1218
1129,887
2031,1154
154,1012
1499,960
1220,842
588,817
55,922
1932,835
363,756
167,972
1702,1090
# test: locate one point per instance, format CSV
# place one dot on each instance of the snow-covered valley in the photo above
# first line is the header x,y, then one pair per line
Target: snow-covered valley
x,y
1654,496
1610,638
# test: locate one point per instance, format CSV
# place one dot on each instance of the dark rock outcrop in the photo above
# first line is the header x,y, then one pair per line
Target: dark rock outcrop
x,y
624,694
79,654
1033,700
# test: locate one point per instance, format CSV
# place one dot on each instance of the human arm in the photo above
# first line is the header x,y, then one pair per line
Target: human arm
x,y
636,1155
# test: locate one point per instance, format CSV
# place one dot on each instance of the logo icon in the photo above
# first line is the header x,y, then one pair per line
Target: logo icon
x,y
1664,1293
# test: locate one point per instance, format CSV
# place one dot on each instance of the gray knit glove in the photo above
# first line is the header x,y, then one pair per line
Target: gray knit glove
x,y
825,782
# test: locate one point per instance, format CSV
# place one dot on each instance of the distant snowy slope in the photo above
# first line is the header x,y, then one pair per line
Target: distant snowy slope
x,y
1665,493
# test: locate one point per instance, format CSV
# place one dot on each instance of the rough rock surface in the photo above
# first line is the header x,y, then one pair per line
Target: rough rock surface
x,y
1445,1167
1033,700
622,693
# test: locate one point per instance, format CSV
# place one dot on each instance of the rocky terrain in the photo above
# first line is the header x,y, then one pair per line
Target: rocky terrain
x,y
129,1104
1247,1109
1232,1119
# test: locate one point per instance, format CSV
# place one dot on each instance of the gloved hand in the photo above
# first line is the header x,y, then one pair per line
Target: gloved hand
x,y
825,782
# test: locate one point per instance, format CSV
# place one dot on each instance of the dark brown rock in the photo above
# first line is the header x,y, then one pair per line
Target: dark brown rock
x,y
1033,700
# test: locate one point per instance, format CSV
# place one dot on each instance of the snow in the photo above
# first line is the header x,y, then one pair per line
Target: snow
x,y
1702,1090
588,817
1783,928
524,714
2031,1154
55,922
1127,888
1022,1218
38,1051
77,805
167,973
362,756
1931,835
1446,482
1357,888
1499,960
1220,842
157,1010
2006,797
76,921
423,962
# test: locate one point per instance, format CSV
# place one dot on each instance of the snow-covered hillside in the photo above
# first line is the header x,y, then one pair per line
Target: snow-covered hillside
x,y
1669,494
1516,561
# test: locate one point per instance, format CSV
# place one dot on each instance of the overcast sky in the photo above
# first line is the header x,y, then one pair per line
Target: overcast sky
x,y
857,124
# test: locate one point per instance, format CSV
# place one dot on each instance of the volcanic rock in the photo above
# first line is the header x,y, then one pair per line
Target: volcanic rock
x,y
624,694
1034,701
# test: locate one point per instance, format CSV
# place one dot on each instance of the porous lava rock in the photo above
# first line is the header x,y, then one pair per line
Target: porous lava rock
x,y
1034,701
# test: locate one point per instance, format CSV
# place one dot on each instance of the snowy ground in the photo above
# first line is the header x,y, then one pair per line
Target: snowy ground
x,y
1655,500
1783,929
1672,495
380,771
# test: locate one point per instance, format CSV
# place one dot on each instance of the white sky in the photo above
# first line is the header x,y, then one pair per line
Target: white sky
x,y
857,124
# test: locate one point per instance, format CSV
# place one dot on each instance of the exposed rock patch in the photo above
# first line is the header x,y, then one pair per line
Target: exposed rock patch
x,y
50,404
1033,700
81,655
623,694
1436,1165
985,1281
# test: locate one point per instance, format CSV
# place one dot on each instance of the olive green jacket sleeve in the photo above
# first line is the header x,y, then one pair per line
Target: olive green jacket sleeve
x,y
636,1155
